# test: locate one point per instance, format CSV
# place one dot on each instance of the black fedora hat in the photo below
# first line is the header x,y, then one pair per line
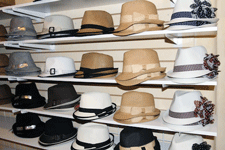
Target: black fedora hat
x,y
137,137
57,130
28,125
62,96
27,96
5,94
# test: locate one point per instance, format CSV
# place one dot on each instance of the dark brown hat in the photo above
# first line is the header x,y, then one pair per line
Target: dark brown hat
x,y
4,62
5,94
3,33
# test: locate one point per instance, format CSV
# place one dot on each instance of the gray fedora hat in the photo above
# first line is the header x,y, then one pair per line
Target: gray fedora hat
x,y
21,28
22,64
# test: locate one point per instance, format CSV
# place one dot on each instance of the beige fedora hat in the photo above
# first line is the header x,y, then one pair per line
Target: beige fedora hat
x,y
96,22
136,107
140,13
140,65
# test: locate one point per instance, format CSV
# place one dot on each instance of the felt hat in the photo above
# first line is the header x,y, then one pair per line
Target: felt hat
x,y
4,62
5,94
21,28
27,96
22,64
57,130
190,142
3,33
96,65
58,66
28,125
62,96
96,22
94,105
139,66
57,26
138,16
93,136
137,139
136,107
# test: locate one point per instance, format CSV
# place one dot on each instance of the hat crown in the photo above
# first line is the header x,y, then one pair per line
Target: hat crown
x,y
27,119
4,60
5,91
96,61
95,100
27,89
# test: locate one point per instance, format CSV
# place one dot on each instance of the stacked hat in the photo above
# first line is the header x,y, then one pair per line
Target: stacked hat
x,y
189,14
28,125
62,96
27,96
189,111
94,105
57,26
22,64
137,139
194,65
3,33
139,66
93,136
5,94
58,66
57,130
21,28
96,22
4,62
138,16
190,142
96,65
136,107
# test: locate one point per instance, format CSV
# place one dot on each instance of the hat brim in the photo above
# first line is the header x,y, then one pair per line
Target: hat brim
x,y
179,121
184,27
43,75
189,80
135,81
187,74
183,128
65,33
24,103
110,73
214,20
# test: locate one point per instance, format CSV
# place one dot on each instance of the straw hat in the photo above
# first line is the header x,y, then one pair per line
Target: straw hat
x,y
4,62
3,33
139,66
138,16
96,65
136,107
96,22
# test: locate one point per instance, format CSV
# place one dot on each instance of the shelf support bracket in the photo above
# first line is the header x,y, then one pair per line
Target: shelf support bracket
x,y
170,38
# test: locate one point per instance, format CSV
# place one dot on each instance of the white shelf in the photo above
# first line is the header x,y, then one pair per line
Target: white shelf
x,y
164,81
158,124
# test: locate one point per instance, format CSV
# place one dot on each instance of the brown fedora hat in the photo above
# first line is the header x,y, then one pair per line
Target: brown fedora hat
x,y
138,12
136,107
5,94
96,22
3,33
4,61
140,65
96,65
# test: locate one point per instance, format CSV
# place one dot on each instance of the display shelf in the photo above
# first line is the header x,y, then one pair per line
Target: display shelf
x,y
164,81
158,124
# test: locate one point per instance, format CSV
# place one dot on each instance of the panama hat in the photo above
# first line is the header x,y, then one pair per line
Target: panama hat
x,y
5,94
96,22
132,138
190,142
140,14
3,33
140,65
96,65
92,136
57,26
136,107
58,66
4,62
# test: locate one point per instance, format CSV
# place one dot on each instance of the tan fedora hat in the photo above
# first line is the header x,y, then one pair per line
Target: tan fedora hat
x,y
140,65
96,65
96,22
3,33
4,62
136,107
138,12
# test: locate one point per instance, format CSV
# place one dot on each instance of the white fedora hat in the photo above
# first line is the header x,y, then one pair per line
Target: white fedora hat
x,y
94,105
58,66
193,10
196,80
93,136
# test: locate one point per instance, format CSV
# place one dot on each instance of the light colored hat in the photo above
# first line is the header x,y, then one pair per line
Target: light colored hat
x,y
138,16
94,105
189,63
136,107
139,66
184,140
96,22
58,66
93,136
